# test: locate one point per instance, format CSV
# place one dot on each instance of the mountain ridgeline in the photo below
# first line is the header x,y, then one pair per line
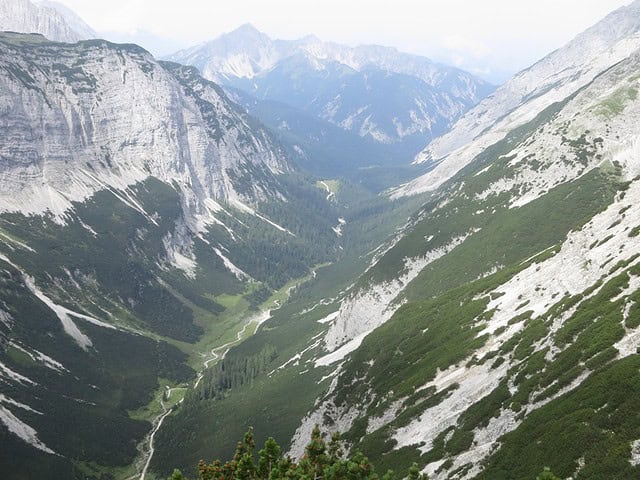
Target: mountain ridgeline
x,y
396,100
51,19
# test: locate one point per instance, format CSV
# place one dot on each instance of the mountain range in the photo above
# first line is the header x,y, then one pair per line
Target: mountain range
x,y
193,247
549,81
137,199
373,91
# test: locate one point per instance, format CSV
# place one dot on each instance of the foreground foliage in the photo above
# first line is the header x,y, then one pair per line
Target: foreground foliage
x,y
321,460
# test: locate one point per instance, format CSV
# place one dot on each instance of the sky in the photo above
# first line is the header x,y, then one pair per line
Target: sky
x,y
491,38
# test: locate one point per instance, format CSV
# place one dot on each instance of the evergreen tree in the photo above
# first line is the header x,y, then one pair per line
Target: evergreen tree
x,y
335,448
176,475
414,473
315,454
320,462
268,458
547,474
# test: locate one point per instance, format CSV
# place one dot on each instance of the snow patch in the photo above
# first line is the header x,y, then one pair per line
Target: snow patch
x,y
245,208
7,373
40,357
329,318
295,360
64,314
341,352
12,241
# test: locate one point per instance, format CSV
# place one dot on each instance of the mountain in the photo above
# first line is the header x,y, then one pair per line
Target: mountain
x,y
171,125
75,22
375,92
497,332
145,219
518,101
327,150
51,19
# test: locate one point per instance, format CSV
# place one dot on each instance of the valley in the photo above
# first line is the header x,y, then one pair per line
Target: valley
x,y
272,236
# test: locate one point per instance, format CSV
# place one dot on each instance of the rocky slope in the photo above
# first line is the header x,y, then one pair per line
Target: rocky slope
x,y
142,215
527,310
518,101
373,91
171,125
51,19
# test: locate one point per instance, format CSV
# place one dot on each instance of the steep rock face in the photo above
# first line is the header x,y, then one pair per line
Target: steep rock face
x,y
50,19
135,195
91,116
373,91
75,22
530,92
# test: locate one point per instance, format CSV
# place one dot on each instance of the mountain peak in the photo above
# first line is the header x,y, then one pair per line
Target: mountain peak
x,y
307,39
75,22
51,19
245,30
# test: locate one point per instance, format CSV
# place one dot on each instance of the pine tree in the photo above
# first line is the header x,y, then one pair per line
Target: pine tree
x,y
315,454
390,475
176,475
320,462
547,474
268,458
335,448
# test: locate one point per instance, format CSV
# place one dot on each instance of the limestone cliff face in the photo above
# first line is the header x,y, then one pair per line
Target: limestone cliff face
x,y
52,20
81,118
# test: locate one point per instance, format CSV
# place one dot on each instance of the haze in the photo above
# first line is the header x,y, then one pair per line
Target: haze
x,y
493,38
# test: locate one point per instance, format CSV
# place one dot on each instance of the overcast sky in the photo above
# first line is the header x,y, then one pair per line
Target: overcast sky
x,y
492,38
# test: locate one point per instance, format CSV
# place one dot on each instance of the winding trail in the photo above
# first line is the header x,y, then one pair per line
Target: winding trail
x,y
214,356
330,194
159,419
257,320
